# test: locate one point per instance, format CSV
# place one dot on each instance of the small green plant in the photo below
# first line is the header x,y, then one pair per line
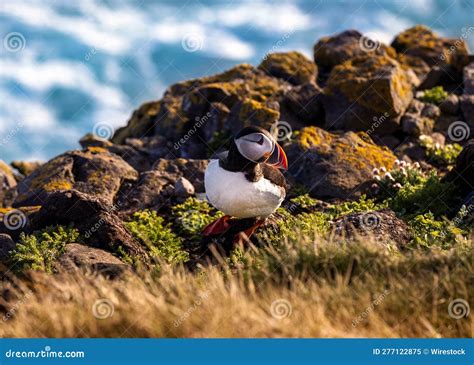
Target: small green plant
x,y
151,230
41,249
361,205
192,216
429,231
440,155
435,95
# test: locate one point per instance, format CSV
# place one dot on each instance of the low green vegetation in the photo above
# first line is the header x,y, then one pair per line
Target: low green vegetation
x,y
152,231
435,95
440,155
41,249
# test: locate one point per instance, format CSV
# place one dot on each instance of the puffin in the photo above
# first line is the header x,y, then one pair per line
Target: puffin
x,y
245,182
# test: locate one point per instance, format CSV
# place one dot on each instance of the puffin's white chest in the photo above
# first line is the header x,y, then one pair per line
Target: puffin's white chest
x,y
234,195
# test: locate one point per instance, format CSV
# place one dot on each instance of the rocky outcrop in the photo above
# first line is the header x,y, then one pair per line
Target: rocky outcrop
x,y
369,93
382,226
7,183
306,101
94,171
26,167
335,166
6,245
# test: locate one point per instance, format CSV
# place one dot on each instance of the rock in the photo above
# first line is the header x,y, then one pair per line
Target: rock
x,y
7,183
91,140
468,79
382,226
94,259
450,105
366,91
410,151
26,167
415,107
438,138
293,67
196,109
420,41
419,67
93,171
431,111
467,109
6,245
183,188
462,175
15,221
415,125
306,102
95,219
335,166
335,50
157,188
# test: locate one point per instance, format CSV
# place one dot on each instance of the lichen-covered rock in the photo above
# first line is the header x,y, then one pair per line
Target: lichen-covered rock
x,y
462,175
157,188
306,101
367,89
382,226
416,125
6,245
334,50
198,108
94,259
450,105
7,182
420,41
26,167
335,166
293,67
94,171
466,103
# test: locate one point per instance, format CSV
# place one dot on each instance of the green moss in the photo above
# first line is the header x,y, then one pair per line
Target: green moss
x,y
219,140
435,95
362,205
192,216
440,155
40,250
429,231
151,230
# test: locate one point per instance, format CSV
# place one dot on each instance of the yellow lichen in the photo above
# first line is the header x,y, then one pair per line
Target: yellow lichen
x,y
57,184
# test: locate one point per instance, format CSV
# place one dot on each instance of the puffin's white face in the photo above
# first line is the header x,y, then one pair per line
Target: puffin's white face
x,y
255,147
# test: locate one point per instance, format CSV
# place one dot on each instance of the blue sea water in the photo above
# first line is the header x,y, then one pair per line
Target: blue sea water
x,y
72,67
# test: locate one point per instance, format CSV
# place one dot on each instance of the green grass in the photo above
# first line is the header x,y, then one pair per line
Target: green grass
x,y
435,95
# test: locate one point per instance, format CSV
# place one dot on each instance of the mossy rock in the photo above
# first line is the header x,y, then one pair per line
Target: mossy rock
x,y
335,166
94,171
293,67
333,50
420,41
367,93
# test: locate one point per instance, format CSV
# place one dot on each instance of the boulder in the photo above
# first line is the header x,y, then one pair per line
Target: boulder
x,y
7,183
368,93
450,105
466,103
160,186
95,219
334,50
94,259
293,67
380,226
6,245
468,79
415,125
306,101
462,175
93,171
335,166
26,167
420,41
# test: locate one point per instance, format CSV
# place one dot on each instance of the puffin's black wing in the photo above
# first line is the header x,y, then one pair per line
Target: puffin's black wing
x,y
274,175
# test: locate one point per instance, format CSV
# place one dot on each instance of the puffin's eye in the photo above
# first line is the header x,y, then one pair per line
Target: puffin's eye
x,y
260,140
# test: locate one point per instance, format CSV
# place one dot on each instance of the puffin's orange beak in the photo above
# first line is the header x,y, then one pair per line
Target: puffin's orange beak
x,y
278,158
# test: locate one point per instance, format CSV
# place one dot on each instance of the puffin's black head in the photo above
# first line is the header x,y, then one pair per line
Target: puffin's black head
x,y
257,145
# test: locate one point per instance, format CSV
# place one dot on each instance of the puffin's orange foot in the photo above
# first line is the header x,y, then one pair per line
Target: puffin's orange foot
x,y
219,226
244,236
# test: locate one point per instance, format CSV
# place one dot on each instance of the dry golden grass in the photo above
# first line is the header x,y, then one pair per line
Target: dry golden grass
x,y
324,290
